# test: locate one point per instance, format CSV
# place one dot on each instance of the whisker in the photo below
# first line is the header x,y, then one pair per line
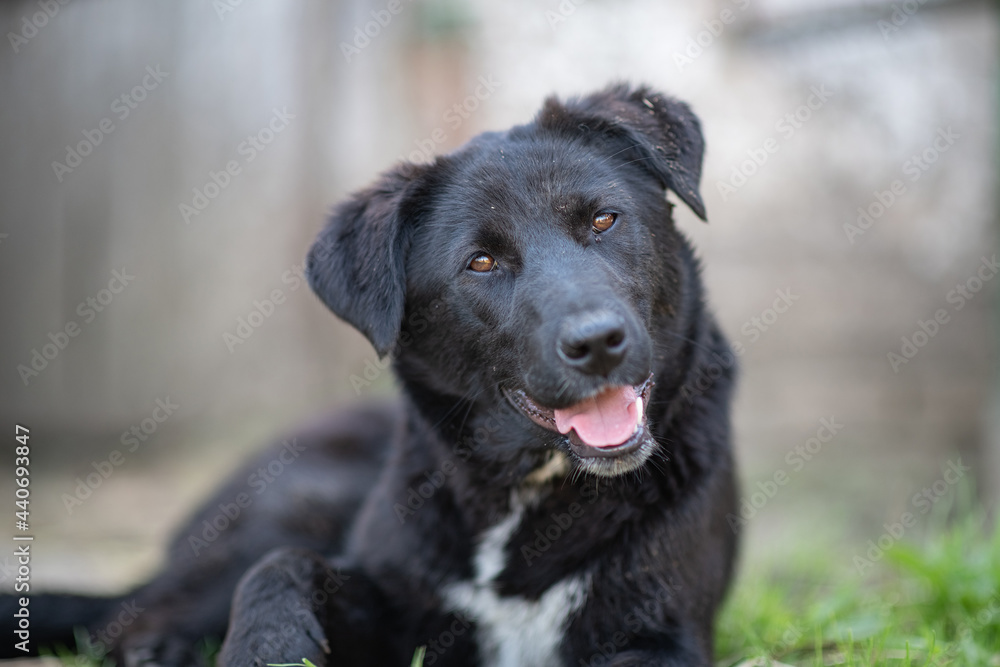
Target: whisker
x,y
689,340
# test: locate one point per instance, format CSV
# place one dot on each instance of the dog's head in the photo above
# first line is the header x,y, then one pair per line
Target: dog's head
x,y
537,268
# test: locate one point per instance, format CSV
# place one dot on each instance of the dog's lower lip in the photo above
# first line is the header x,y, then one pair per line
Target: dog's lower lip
x,y
545,417
584,450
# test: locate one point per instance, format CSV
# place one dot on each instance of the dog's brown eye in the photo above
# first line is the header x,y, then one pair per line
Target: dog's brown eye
x,y
603,222
482,263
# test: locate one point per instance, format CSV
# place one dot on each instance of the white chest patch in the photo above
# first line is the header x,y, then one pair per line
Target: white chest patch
x,y
513,631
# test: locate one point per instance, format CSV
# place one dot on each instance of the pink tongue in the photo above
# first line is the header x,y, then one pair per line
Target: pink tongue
x,y
605,420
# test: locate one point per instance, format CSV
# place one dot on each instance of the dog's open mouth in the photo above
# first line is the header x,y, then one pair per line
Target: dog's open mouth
x,y
611,423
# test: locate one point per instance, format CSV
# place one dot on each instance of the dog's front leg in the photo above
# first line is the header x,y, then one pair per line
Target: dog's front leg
x,y
294,606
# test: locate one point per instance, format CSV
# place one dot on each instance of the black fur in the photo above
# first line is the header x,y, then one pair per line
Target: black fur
x,y
632,541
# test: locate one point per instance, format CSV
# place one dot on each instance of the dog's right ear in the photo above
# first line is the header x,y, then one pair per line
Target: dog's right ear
x,y
658,133
357,264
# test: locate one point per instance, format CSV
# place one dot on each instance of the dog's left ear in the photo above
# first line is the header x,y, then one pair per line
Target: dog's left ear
x,y
357,264
659,133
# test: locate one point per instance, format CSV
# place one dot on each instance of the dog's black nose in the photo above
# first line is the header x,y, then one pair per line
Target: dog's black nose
x,y
593,343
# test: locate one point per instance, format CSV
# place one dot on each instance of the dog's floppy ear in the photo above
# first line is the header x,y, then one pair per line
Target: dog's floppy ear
x,y
357,264
662,133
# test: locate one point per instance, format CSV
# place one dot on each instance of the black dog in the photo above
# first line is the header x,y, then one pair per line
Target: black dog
x,y
553,487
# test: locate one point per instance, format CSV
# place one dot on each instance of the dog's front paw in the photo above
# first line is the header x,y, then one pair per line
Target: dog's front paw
x,y
294,642
274,617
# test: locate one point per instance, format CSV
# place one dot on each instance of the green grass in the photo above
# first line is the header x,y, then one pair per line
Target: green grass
x,y
933,602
